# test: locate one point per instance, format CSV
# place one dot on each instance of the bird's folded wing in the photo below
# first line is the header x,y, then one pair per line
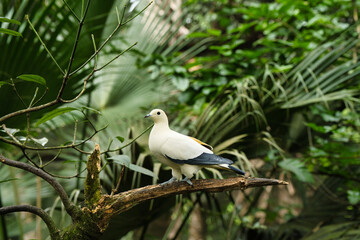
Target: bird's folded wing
x,y
181,147
202,143
203,159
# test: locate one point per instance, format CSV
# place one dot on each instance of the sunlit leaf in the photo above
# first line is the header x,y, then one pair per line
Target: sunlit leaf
x,y
33,78
2,19
4,83
50,115
10,32
298,168
353,197
42,141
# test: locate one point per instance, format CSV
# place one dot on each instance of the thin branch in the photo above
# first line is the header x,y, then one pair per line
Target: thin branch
x,y
72,11
109,37
42,96
16,92
51,160
10,135
27,110
116,57
54,231
43,44
116,189
33,99
129,143
69,207
74,146
72,56
82,90
66,177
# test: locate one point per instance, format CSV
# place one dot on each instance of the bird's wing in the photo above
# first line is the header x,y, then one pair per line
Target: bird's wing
x,y
183,149
204,159
202,143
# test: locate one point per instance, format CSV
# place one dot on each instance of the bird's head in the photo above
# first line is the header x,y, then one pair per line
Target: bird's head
x,y
158,116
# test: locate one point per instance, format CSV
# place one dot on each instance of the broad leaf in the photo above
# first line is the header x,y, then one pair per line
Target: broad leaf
x,y
33,78
50,115
298,168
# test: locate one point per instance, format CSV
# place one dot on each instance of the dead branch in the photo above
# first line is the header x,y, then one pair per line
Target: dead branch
x,y
110,206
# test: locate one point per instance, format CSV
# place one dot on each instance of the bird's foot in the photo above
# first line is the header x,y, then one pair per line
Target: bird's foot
x,y
186,179
173,179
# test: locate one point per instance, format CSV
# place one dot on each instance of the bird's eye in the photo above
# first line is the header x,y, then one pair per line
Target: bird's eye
x,y
158,113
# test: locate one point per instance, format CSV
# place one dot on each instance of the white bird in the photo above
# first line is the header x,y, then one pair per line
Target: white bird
x,y
183,154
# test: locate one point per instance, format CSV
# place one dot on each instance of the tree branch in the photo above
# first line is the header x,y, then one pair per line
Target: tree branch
x,y
54,231
110,206
92,182
70,208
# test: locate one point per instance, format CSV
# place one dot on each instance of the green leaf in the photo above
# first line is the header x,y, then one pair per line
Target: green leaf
x,y
2,19
121,139
3,83
121,159
214,32
353,197
33,78
10,32
50,115
321,129
125,161
298,168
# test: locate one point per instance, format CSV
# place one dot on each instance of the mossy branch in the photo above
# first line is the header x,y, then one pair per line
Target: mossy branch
x,y
92,189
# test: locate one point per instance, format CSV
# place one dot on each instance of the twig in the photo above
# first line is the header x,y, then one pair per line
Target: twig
x,y
54,231
16,92
69,207
43,44
82,90
116,189
51,160
109,37
116,57
129,143
72,56
10,135
32,109
74,146
72,11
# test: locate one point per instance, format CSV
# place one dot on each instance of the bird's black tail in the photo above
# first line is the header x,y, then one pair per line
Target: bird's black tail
x,y
238,171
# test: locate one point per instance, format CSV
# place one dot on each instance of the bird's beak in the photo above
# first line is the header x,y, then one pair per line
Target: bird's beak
x,y
147,115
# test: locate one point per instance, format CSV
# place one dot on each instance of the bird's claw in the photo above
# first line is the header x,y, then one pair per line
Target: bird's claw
x,y
186,179
168,181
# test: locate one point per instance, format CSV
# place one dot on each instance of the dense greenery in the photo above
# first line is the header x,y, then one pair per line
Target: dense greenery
x,y
271,84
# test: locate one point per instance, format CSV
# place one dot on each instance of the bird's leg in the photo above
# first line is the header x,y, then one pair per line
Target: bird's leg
x,y
186,179
168,181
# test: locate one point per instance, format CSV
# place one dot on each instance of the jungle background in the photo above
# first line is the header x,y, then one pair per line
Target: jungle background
x,y
273,85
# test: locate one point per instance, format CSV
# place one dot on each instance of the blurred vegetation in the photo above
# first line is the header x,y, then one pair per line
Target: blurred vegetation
x,y
271,84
